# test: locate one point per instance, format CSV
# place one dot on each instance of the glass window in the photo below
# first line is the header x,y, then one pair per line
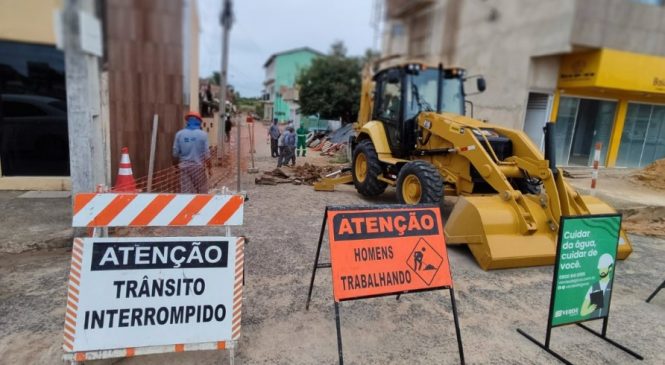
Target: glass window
x,y
581,123
650,2
654,143
389,106
390,101
643,137
33,111
425,84
19,109
453,100
397,30
563,130
421,92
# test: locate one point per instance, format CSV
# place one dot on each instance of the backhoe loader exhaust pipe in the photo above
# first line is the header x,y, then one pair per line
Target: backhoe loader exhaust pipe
x,y
550,152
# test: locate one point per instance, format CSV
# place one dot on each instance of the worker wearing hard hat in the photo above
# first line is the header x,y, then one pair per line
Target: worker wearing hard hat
x,y
190,147
597,300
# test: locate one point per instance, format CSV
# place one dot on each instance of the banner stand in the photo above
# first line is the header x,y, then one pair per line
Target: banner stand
x,y
662,286
317,265
603,334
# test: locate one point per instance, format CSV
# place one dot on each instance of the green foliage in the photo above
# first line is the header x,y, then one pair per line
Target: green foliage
x,y
254,105
330,87
370,56
215,78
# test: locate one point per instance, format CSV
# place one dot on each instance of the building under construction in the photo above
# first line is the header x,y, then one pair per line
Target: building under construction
x,y
595,67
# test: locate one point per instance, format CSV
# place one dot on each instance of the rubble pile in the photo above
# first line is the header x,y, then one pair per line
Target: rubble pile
x,y
309,174
652,175
302,174
332,143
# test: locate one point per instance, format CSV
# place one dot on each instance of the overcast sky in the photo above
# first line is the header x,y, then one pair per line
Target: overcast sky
x,y
264,27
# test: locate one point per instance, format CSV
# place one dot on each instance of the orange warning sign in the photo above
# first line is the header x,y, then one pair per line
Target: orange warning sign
x,y
387,250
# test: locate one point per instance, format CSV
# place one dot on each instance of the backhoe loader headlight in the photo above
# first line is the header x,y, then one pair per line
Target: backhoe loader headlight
x,y
427,124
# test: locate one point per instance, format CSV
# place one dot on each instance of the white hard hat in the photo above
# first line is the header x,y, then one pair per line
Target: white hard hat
x,y
605,261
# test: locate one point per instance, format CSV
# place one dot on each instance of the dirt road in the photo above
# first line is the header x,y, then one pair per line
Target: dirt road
x,y
282,224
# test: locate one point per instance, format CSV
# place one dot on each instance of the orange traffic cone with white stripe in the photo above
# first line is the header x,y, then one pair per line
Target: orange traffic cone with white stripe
x,y
125,181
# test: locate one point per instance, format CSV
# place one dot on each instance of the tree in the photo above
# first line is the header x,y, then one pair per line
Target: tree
x,y
330,87
214,78
370,57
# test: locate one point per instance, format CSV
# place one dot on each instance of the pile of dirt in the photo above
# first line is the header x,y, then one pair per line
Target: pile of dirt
x,y
646,221
302,174
309,174
653,175
274,177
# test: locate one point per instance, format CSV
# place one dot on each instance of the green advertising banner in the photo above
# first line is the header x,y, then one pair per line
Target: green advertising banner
x,y
584,271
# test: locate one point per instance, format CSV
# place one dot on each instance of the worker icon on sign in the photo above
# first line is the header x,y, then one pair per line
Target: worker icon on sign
x,y
418,259
424,260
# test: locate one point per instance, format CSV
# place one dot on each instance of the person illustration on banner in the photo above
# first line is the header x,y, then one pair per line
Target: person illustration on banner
x,y
418,260
597,298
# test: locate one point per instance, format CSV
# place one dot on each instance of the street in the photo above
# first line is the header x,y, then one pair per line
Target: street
x,y
282,224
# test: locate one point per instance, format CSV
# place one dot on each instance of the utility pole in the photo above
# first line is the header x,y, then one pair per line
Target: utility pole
x,y
83,45
226,20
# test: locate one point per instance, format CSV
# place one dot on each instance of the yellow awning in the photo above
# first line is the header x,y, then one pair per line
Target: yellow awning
x,y
613,71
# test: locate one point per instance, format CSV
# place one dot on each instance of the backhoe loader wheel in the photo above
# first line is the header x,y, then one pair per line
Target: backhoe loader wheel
x,y
419,182
366,169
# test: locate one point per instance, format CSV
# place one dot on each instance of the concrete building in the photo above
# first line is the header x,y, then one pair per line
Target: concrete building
x,y
280,92
595,67
150,65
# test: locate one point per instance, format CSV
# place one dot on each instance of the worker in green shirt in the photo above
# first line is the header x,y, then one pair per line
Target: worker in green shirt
x,y
302,139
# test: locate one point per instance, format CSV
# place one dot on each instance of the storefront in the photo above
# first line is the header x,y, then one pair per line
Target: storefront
x,y
34,141
33,111
613,97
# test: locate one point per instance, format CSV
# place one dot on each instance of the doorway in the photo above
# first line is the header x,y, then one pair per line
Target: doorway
x,y
581,123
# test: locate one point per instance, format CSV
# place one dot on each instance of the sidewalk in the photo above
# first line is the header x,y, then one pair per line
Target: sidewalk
x,y
616,187
36,222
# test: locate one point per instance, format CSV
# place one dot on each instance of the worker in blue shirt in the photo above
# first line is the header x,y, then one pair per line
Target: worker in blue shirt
x,y
190,147
289,150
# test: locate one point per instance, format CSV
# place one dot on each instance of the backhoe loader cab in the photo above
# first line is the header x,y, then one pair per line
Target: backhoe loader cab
x,y
412,133
402,92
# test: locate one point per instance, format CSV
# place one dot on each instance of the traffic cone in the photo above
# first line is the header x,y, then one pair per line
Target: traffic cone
x,y
125,180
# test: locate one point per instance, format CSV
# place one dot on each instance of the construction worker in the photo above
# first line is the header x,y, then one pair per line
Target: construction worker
x,y
288,149
190,147
273,134
302,139
228,124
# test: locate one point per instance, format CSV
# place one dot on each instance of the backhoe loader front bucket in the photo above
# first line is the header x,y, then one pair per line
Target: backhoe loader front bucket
x,y
329,183
491,229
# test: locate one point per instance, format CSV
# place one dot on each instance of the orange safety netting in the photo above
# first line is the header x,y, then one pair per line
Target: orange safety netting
x,y
181,179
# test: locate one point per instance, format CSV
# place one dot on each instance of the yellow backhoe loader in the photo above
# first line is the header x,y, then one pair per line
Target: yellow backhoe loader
x,y
413,134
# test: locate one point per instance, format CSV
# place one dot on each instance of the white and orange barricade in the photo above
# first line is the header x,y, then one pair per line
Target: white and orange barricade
x,y
130,296
156,210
